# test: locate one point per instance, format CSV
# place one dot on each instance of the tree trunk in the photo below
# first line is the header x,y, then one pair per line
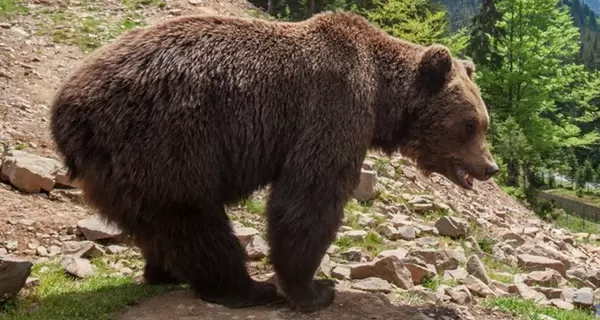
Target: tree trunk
x,y
271,7
513,173
311,8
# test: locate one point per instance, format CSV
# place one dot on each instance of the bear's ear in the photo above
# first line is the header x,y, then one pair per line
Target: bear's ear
x,y
469,67
435,65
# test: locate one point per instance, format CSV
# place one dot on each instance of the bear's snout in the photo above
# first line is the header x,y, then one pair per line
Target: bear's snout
x,y
491,171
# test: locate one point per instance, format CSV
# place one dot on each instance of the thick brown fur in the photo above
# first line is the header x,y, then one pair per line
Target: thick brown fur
x,y
171,122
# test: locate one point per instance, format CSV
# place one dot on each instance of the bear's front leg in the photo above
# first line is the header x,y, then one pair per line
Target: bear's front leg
x,y
302,224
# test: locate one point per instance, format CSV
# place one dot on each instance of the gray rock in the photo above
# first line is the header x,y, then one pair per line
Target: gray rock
x,y
477,287
452,227
389,231
549,278
81,249
367,188
568,294
78,267
355,234
245,234
13,275
583,298
538,263
457,274
389,268
333,249
445,259
11,245
41,251
53,250
419,269
407,233
400,253
28,172
115,249
326,265
352,254
476,268
95,228
460,294
341,272
372,284
517,239
366,221
257,248
562,304
63,181
525,292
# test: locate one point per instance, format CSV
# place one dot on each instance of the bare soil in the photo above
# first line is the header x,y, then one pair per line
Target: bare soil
x,y
349,305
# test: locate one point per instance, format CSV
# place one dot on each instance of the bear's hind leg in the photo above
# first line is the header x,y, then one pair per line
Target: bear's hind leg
x,y
302,225
200,248
155,275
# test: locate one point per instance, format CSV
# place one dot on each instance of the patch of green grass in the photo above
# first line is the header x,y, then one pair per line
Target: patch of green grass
x,y
529,310
493,265
255,205
352,220
372,243
344,243
434,215
389,197
485,244
59,296
435,282
380,165
577,224
8,8
408,297
91,29
502,278
354,205
136,4
87,32
587,197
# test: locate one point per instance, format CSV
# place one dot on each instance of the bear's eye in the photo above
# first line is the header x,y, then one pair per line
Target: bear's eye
x,y
470,128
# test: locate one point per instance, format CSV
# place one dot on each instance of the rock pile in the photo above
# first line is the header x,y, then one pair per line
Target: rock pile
x,y
402,232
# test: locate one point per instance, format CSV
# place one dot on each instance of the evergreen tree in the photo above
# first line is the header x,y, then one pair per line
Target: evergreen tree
x,y
484,28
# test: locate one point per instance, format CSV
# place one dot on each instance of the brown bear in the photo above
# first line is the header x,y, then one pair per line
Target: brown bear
x,y
171,122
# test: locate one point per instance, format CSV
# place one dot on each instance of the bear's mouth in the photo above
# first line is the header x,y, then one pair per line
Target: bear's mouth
x,y
461,177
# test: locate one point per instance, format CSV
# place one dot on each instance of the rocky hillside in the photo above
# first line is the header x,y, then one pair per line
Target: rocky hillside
x,y
423,244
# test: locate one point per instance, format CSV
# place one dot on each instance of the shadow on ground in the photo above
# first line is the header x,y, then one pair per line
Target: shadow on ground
x,y
84,302
134,301
182,305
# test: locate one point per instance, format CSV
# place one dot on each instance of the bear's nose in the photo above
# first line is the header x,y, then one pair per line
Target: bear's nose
x,y
490,171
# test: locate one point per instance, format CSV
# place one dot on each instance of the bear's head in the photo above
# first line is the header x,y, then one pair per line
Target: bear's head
x,y
449,136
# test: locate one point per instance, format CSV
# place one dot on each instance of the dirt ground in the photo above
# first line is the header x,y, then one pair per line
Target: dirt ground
x,y
349,305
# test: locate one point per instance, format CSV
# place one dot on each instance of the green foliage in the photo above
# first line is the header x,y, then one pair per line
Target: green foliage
x,y
484,28
529,92
412,20
587,172
485,244
10,7
255,205
136,4
372,243
531,310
